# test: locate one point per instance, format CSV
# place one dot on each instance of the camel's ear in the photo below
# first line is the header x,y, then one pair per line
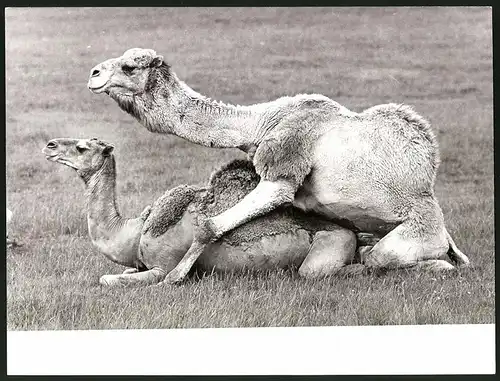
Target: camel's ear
x,y
157,61
108,150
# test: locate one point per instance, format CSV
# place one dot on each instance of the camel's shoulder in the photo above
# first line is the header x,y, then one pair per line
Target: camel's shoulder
x,y
168,209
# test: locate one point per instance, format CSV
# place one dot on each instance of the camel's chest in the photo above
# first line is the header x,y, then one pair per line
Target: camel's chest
x,y
120,246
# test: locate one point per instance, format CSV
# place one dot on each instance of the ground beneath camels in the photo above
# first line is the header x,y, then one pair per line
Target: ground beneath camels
x,y
437,60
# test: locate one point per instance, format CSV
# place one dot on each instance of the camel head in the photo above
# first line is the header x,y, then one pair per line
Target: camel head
x,y
86,156
126,75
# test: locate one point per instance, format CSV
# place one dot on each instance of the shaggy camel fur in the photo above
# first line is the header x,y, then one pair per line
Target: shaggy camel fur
x,y
153,244
375,169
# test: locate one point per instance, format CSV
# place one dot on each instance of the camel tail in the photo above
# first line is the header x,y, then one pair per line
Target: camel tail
x,y
455,254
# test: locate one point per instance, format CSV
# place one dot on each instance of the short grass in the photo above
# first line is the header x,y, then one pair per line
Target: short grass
x,y
438,60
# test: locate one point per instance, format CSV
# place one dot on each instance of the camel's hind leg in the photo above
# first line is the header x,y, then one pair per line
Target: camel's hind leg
x,y
142,278
412,244
330,251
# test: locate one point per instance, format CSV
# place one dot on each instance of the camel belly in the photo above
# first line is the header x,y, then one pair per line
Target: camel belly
x,y
350,215
267,253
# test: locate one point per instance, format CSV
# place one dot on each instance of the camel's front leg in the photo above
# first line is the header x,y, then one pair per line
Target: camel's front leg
x,y
264,198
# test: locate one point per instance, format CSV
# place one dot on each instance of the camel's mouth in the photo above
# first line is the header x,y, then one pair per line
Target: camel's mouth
x,y
98,89
55,157
51,157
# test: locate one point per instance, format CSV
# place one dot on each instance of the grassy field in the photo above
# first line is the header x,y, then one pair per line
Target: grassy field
x,y
438,60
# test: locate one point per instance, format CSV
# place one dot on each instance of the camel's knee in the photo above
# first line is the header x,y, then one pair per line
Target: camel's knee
x,y
279,191
392,252
329,252
411,242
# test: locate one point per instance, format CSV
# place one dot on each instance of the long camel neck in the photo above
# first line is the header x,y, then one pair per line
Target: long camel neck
x,y
102,211
170,106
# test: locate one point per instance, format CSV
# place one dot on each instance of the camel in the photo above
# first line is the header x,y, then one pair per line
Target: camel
x,y
152,244
375,169
11,242
9,218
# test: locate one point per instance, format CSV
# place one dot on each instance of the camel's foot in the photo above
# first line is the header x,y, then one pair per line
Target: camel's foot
x,y
430,265
109,280
138,278
434,265
130,270
205,230
176,276
353,270
179,273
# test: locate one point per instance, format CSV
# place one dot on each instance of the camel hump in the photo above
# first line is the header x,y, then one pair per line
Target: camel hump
x,y
239,168
168,210
411,118
405,113
228,185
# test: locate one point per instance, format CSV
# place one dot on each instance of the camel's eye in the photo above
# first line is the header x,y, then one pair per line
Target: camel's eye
x,y
81,149
128,69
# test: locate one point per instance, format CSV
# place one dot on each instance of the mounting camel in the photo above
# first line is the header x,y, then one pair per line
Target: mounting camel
x,y
375,169
154,243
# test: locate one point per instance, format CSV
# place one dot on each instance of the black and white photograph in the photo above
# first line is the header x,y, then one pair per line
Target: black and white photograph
x,y
185,169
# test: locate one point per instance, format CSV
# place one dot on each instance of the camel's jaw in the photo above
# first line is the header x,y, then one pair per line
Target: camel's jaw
x,y
56,157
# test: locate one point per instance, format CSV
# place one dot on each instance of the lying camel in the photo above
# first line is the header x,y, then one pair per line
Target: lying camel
x,y
376,168
153,244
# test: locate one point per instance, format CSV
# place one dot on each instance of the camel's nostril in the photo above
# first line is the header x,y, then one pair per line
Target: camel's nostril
x,y
95,73
51,145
